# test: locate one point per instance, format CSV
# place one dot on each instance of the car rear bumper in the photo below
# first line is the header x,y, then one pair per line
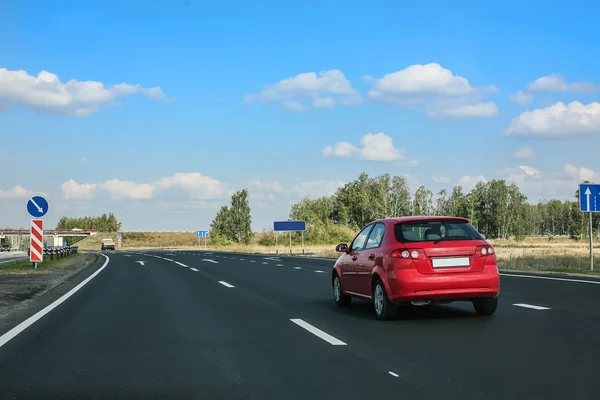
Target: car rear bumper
x,y
410,285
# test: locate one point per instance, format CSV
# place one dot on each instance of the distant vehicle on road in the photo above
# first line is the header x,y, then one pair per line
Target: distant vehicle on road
x,y
5,247
419,261
108,244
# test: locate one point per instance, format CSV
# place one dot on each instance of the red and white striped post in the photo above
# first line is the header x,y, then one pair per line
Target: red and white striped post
x,y
36,239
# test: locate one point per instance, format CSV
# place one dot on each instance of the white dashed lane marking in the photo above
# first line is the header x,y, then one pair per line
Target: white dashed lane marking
x,y
533,307
297,267
194,269
226,284
317,332
320,272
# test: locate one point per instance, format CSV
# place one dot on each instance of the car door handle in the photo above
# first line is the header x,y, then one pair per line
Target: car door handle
x,y
371,256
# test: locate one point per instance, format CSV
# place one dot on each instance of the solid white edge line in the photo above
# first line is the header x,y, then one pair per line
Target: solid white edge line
x,y
395,375
317,332
194,269
226,284
35,317
551,278
532,306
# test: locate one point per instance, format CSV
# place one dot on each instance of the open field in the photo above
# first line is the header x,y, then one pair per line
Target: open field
x,y
557,254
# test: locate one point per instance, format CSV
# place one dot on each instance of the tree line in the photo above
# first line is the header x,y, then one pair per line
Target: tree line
x,y
233,223
495,208
103,223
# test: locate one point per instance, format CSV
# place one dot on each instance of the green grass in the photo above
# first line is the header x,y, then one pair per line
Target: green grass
x,y
26,266
555,263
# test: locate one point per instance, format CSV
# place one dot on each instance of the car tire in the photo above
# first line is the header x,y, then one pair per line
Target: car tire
x,y
339,297
384,309
486,306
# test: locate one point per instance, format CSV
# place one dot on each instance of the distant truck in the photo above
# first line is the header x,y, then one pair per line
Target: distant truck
x,y
108,244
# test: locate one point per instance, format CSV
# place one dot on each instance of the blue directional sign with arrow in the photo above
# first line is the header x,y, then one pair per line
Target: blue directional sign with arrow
x,y
37,206
589,197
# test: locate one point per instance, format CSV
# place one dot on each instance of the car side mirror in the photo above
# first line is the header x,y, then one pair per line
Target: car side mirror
x,y
342,248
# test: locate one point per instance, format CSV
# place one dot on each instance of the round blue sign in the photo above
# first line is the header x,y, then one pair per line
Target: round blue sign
x,y
37,206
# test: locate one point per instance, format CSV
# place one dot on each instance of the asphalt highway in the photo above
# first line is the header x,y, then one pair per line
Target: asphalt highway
x,y
194,324
12,256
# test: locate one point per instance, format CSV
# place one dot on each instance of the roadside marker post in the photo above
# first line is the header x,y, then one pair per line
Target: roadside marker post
x,y
203,234
119,240
289,226
37,207
589,201
36,238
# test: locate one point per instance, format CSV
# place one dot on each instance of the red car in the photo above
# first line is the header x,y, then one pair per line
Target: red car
x,y
417,260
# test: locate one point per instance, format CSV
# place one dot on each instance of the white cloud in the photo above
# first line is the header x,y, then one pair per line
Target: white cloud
x,y
468,182
556,121
264,191
265,186
16,192
324,102
522,98
561,184
440,179
524,153
445,94
556,84
45,93
373,147
481,110
83,159
191,185
325,89
294,106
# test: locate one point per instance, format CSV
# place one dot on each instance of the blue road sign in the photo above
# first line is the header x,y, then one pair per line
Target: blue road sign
x,y
64,244
201,233
289,226
37,206
119,236
589,197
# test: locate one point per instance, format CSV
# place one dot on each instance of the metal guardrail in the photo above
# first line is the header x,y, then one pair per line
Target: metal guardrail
x,y
58,251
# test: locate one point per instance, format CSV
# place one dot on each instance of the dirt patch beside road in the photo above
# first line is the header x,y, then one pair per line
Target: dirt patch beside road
x,y
19,285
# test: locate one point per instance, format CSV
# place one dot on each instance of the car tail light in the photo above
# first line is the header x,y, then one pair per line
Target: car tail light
x,y
415,254
483,251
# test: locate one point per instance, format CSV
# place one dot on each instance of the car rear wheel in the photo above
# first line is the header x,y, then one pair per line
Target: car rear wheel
x,y
486,306
338,295
384,309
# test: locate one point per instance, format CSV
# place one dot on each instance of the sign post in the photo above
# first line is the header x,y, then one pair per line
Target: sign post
x,y
119,240
37,207
589,201
36,239
289,226
203,234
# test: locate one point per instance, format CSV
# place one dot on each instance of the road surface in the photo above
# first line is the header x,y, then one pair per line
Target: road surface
x,y
12,256
228,326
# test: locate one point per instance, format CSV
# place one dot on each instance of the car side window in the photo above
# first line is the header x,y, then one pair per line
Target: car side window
x,y
375,237
359,242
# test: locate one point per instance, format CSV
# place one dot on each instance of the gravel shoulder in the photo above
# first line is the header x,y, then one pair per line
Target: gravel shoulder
x,y
19,286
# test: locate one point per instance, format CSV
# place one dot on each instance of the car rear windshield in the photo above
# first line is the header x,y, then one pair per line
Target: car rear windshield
x,y
434,230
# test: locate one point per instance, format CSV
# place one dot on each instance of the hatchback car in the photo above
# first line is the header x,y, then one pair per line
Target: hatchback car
x,y
418,261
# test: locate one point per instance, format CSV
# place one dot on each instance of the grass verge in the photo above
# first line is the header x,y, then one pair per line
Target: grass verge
x,y
25,266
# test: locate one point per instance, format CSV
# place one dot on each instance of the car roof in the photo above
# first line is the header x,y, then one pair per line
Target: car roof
x,y
416,218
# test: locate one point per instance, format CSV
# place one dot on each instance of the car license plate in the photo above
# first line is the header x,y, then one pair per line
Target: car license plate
x,y
451,262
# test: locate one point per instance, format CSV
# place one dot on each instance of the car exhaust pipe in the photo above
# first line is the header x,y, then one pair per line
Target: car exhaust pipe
x,y
420,302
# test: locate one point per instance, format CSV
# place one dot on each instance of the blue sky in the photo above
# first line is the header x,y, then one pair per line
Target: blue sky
x,y
448,92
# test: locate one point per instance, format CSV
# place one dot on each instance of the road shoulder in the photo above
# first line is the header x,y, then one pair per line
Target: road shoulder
x,y
35,294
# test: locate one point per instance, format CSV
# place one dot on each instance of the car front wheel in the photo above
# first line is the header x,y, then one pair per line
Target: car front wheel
x,y
338,295
384,309
486,306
